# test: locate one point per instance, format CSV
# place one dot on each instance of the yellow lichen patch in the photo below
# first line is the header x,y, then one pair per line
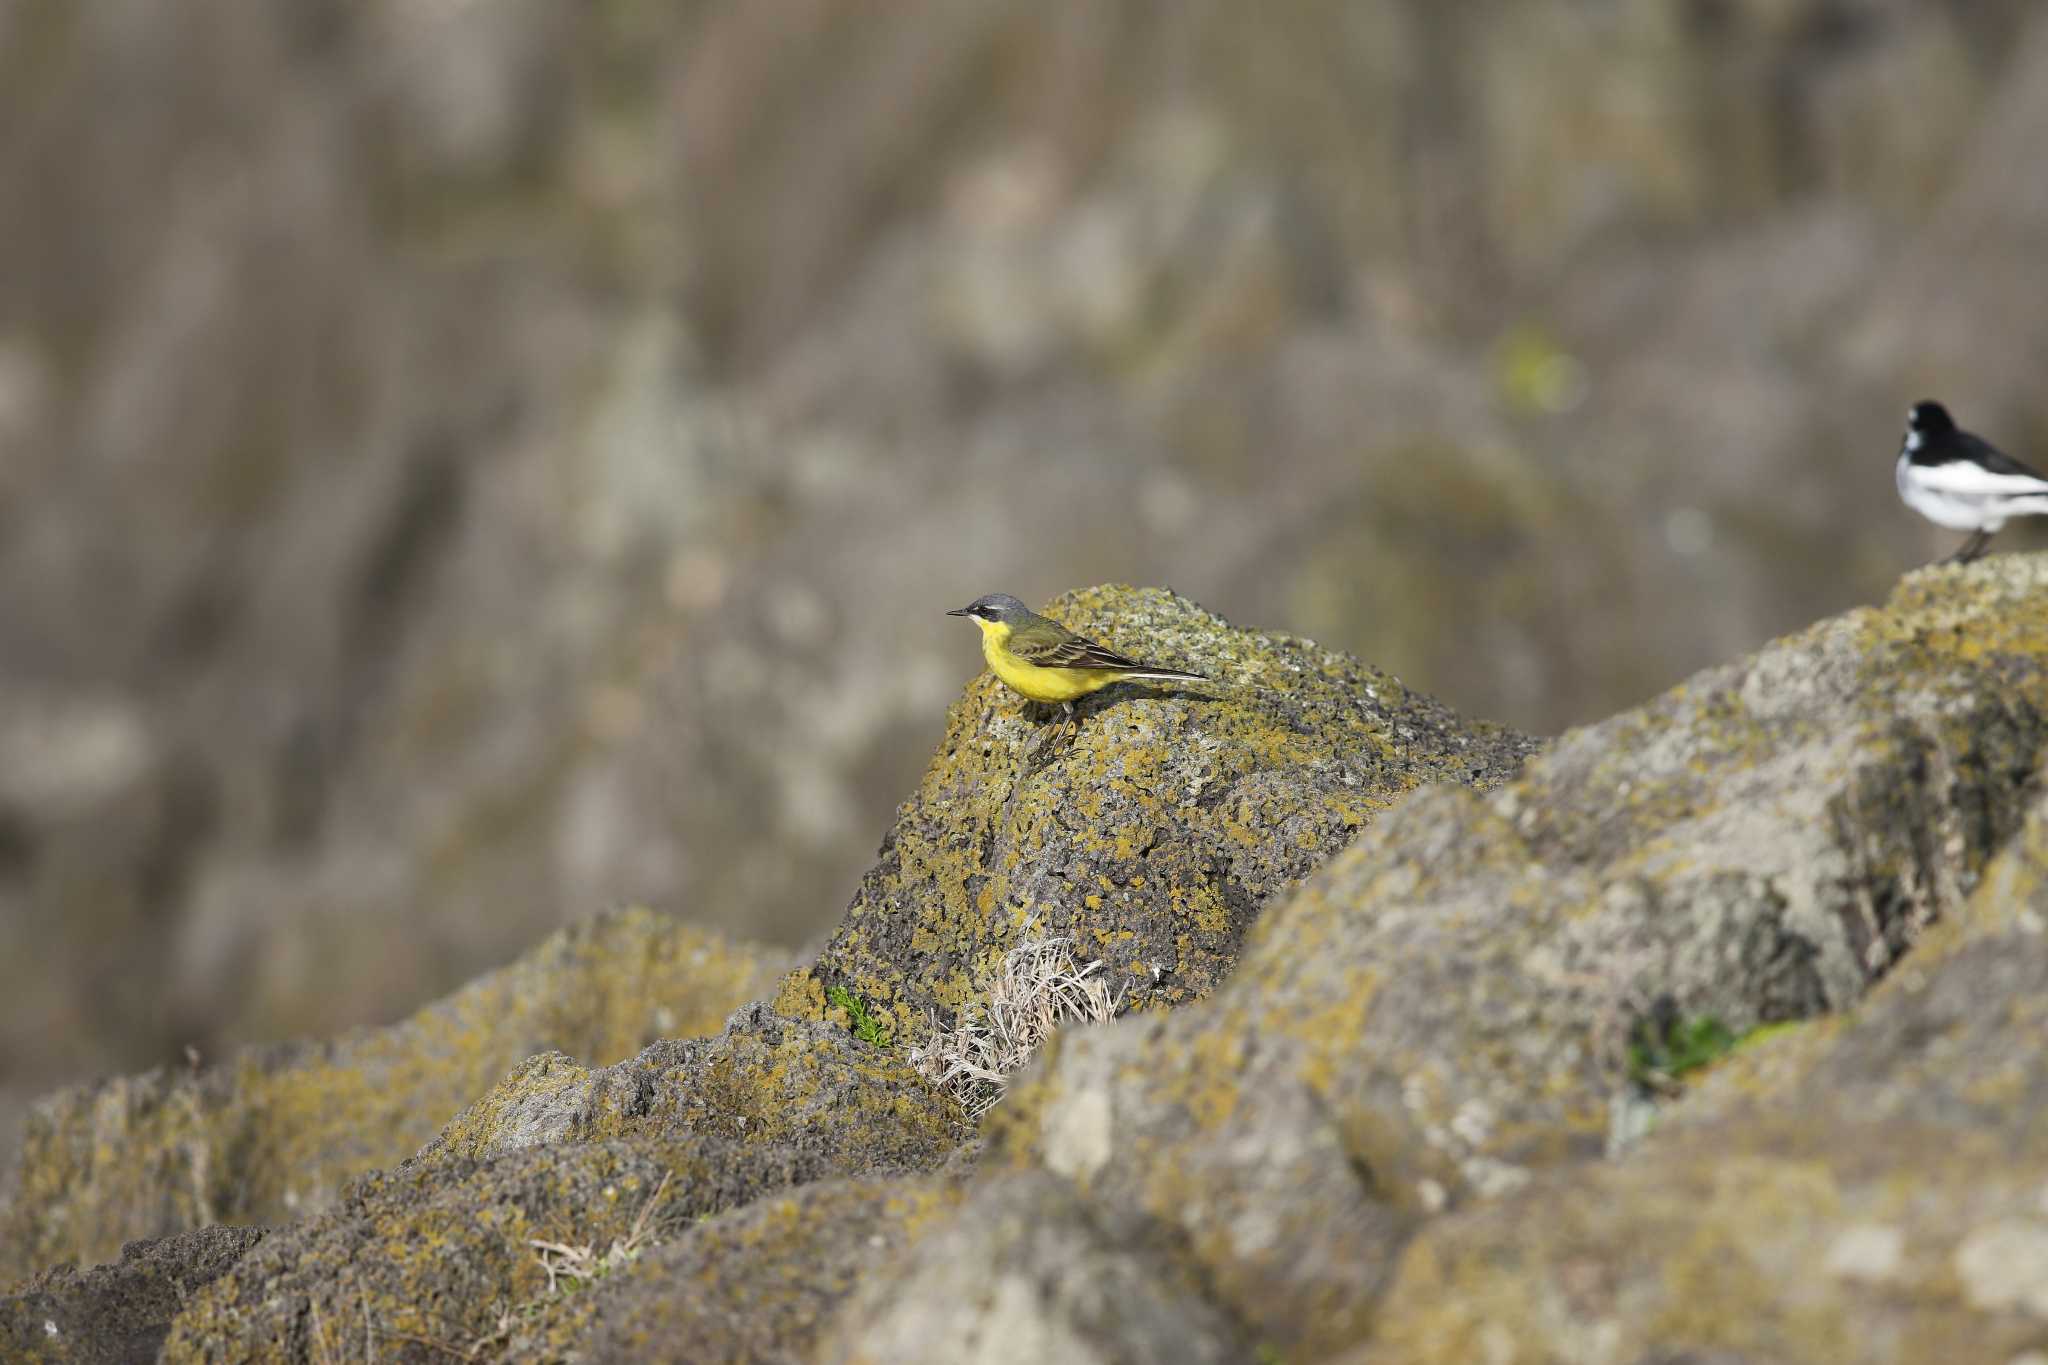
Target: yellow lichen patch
x,y
278,1139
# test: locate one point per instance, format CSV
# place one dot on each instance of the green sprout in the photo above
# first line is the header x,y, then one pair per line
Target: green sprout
x,y
863,1022
1666,1046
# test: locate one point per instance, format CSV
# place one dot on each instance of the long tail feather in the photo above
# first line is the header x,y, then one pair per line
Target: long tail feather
x,y
1166,675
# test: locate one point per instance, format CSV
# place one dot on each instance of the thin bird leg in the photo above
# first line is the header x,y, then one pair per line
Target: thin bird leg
x,y
1971,548
1072,721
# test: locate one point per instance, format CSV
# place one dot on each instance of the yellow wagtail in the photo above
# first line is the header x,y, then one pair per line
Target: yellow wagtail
x,y
1044,661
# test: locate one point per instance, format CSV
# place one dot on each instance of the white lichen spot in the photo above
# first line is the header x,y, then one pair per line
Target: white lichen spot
x,y
1078,1139
2031,922
2005,1266
49,1327
1490,1178
1473,1123
1867,1251
1431,1195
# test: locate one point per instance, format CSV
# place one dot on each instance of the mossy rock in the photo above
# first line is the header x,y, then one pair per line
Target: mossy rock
x,y
1871,1190
764,1079
1026,1273
272,1133
120,1312
1442,1012
1154,837
432,1256
425,1264
763,1280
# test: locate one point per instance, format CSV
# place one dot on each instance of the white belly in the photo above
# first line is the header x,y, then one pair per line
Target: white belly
x,y
1963,499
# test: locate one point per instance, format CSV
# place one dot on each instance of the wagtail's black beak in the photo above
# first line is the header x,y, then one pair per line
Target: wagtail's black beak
x,y
961,611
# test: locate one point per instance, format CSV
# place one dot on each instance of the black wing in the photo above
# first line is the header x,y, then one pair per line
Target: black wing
x,y
1993,460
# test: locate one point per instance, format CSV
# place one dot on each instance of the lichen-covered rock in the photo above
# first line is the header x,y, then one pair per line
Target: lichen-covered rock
x,y
273,1132
764,1079
1153,839
428,1255
117,1313
1026,1274
1874,1190
422,1265
1443,1009
762,1280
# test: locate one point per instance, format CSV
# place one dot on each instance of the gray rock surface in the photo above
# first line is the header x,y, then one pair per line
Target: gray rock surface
x,y
119,1313
273,1133
1871,1190
1440,1109
1153,839
1444,1011
455,460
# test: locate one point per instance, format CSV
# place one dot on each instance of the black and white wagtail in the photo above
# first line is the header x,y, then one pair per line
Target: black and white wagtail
x,y
1963,482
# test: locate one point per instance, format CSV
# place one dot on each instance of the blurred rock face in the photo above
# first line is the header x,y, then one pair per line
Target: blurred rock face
x,y
465,465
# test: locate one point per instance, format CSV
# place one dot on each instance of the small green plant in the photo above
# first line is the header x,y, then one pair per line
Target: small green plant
x,y
862,1021
1666,1046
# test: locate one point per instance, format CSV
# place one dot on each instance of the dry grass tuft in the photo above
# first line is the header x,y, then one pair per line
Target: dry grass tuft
x,y
1039,989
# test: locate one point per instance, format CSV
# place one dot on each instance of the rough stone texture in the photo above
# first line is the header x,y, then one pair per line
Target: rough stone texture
x,y
763,1280
1874,1189
431,504
764,1079
271,1133
1154,839
116,1314
1440,1011
1403,1128
1026,1274
433,1256
424,1263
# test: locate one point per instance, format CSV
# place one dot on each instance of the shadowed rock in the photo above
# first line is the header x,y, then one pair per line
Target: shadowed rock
x,y
271,1133
117,1313
430,1255
763,1279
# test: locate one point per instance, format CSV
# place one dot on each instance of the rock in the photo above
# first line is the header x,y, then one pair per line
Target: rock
x,y
1417,1122
117,1313
424,1262
764,1079
432,1253
272,1133
1153,840
1057,1287
763,1279
1875,1190
1443,1011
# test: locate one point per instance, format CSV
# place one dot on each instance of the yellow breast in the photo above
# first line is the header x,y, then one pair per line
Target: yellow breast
x,y
1028,679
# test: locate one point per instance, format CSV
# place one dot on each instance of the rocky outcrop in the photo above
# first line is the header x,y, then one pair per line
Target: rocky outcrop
x,y
1711,1033
430,500
1446,1012
1154,838
1872,1189
272,1133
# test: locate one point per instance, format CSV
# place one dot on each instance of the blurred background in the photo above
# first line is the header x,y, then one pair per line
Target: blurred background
x,y
465,463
